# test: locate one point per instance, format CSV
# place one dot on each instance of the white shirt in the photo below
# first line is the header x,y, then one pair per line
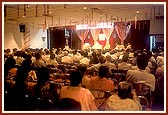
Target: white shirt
x,y
134,76
79,94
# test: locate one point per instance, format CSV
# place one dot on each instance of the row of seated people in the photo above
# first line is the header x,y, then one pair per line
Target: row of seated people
x,y
89,68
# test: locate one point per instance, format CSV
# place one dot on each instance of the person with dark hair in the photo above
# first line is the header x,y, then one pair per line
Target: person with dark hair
x,y
20,88
52,60
124,65
101,83
69,104
39,62
95,67
84,59
94,59
86,78
44,92
152,62
10,62
76,92
124,100
134,76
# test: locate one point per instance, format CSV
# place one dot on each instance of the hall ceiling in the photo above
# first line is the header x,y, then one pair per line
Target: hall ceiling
x,y
61,14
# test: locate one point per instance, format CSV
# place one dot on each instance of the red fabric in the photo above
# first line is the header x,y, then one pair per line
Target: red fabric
x,y
122,31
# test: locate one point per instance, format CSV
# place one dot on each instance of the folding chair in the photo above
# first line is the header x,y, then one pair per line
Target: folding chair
x,y
100,98
143,89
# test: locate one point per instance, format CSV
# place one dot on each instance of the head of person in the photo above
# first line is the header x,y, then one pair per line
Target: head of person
x,y
52,56
135,54
102,59
75,78
69,104
103,71
125,90
82,68
142,61
125,57
42,75
38,56
108,58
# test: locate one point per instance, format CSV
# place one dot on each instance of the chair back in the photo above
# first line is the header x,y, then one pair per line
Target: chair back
x,y
144,102
142,89
100,98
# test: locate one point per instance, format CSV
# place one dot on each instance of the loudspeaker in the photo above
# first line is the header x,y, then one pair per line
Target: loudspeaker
x,y
22,27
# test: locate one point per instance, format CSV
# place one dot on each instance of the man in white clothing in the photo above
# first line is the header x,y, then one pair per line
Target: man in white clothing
x,y
134,76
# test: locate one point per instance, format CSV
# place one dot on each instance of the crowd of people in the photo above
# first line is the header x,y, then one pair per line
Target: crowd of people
x,y
69,80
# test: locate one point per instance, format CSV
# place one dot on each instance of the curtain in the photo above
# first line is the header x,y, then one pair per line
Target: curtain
x,y
122,30
95,34
107,32
82,34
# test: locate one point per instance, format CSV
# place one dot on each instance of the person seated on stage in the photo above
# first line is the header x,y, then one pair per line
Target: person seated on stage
x,y
129,47
107,46
116,47
125,100
97,46
78,93
134,76
121,47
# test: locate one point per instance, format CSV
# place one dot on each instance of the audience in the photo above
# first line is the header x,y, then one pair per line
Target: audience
x,y
134,76
28,75
39,62
76,92
69,104
101,83
124,100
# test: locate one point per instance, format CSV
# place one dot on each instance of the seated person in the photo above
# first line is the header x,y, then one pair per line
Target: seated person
x,y
76,92
134,76
86,77
69,104
124,65
124,100
101,83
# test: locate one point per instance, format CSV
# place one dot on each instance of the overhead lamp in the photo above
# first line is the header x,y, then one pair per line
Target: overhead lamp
x,y
84,7
137,11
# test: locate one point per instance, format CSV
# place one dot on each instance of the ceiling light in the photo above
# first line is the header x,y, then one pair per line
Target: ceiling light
x,y
84,7
137,11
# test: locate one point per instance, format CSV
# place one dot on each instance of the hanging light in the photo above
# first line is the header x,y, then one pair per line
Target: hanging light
x,y
45,24
36,10
24,15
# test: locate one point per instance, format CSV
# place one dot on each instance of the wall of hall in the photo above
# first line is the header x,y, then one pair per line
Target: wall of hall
x,y
13,38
